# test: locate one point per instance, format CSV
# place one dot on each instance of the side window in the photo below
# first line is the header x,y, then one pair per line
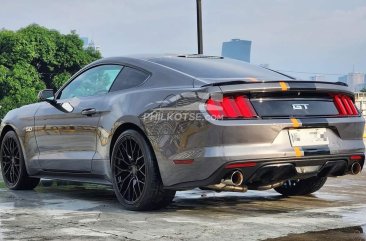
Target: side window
x,y
128,78
95,81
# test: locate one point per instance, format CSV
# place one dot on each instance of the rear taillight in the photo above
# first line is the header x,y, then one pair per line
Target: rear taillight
x,y
345,105
231,107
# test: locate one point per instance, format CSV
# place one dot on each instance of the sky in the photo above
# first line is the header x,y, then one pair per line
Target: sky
x,y
295,36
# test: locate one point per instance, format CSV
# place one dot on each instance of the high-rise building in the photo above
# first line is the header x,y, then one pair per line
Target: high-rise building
x,y
237,49
90,44
355,81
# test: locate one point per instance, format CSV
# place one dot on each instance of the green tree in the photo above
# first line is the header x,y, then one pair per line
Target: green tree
x,y
34,58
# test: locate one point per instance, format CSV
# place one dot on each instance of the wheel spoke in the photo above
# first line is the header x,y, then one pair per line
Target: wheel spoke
x,y
127,188
139,158
130,144
141,172
123,160
125,154
11,147
133,151
6,171
121,170
6,148
12,174
139,188
142,167
123,181
125,148
134,188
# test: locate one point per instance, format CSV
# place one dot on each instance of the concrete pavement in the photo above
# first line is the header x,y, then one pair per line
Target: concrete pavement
x,y
92,212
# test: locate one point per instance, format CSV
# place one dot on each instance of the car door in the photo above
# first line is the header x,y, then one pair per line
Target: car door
x,y
67,140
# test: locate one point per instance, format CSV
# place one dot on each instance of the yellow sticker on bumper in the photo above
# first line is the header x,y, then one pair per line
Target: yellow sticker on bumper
x,y
295,122
284,86
298,152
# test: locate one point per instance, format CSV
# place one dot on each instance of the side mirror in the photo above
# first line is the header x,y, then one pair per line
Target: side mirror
x,y
47,95
67,107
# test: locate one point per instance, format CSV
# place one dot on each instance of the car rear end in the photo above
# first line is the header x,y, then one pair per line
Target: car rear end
x,y
260,134
259,128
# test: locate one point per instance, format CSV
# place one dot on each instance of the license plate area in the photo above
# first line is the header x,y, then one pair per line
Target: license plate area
x,y
309,137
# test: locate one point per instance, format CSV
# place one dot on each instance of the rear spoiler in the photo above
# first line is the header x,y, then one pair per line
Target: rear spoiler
x,y
282,86
235,82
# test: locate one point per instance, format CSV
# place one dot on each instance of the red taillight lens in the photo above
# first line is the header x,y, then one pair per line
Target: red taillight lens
x,y
356,157
240,165
215,109
345,105
231,107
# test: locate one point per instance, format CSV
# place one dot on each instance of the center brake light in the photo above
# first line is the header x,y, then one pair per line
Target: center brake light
x,y
345,105
231,107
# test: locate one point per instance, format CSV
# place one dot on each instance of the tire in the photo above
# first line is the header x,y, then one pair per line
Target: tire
x,y
136,178
301,187
13,166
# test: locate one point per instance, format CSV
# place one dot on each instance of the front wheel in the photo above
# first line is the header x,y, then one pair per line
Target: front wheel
x,y
301,187
136,179
12,164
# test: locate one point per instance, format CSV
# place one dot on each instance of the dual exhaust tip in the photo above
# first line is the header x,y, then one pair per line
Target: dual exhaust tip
x,y
236,178
356,168
232,183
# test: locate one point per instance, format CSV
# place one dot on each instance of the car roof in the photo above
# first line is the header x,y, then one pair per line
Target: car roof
x,y
210,69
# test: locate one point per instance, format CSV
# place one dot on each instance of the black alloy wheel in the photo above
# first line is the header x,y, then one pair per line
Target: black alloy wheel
x,y
130,169
10,161
136,178
12,164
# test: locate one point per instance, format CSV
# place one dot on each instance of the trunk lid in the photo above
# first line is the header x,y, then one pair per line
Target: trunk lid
x,y
280,99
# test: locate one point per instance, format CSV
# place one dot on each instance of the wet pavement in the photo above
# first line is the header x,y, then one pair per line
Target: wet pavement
x,y
336,212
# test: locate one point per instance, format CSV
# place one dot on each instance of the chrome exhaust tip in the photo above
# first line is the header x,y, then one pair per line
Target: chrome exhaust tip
x,y
232,183
235,179
356,168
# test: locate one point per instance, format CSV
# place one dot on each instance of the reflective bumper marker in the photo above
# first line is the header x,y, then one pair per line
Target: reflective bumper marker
x,y
183,162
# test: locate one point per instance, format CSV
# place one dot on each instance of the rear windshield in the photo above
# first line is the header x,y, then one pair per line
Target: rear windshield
x,y
207,68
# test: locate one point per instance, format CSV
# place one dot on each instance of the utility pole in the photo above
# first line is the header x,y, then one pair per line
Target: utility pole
x,y
199,26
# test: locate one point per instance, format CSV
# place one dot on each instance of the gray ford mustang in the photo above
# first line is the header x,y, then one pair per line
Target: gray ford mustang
x,y
152,125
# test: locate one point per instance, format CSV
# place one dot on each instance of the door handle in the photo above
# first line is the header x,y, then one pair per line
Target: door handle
x,y
89,111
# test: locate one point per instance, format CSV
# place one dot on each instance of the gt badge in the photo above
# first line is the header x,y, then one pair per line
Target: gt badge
x,y
300,106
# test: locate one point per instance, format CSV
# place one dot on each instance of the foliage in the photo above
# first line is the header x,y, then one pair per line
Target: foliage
x,y
363,89
34,58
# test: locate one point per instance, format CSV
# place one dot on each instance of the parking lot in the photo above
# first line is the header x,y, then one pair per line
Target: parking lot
x,y
91,212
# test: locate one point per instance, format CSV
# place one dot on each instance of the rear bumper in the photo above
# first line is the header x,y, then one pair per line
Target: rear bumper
x,y
211,144
270,171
